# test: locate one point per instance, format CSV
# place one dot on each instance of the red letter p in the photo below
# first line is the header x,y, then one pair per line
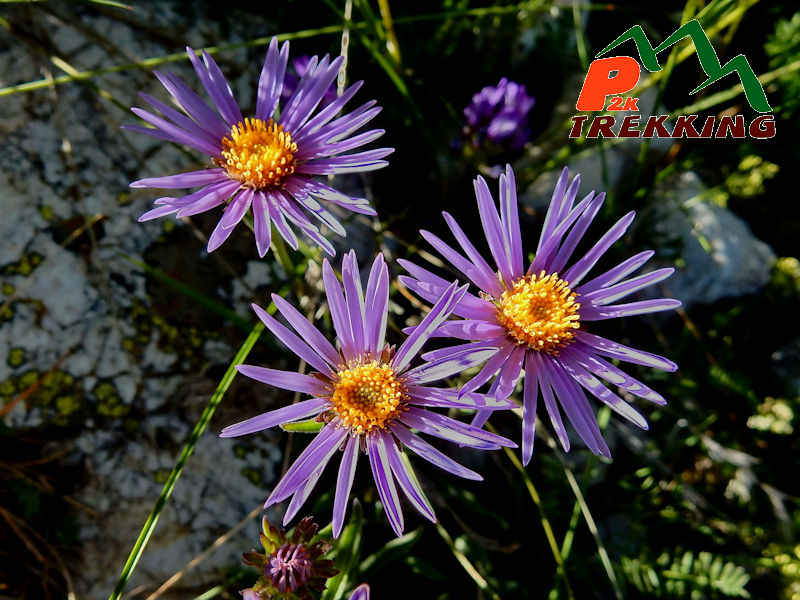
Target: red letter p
x,y
599,82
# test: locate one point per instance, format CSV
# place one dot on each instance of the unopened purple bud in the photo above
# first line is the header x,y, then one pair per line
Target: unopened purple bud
x,y
289,567
499,114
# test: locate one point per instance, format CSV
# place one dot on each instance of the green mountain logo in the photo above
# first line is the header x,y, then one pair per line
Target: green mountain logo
x,y
707,56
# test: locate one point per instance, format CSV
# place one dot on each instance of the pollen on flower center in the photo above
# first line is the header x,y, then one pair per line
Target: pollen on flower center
x,y
258,153
367,396
540,311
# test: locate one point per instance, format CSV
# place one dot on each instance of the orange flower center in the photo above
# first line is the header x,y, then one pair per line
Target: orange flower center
x,y
540,311
258,153
367,396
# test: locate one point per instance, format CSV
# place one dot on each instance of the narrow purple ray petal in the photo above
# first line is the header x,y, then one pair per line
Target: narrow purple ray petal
x,y
530,396
304,93
354,300
344,125
618,291
571,398
273,203
298,218
431,454
509,217
619,351
443,398
349,163
207,198
345,145
237,209
320,190
617,273
159,211
181,120
445,367
175,133
599,391
470,330
261,223
292,342
224,96
470,307
381,472
285,414
338,310
553,208
483,279
308,331
301,495
270,82
510,372
194,106
605,370
643,307
377,306
182,180
316,455
294,186
452,430
360,593
489,281
549,401
344,483
287,380
437,315
490,368
326,114
480,418
578,271
406,478
499,246
322,80
461,349
219,235
576,233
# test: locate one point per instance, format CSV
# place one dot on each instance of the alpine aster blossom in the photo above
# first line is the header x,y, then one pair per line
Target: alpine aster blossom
x,y
264,162
499,114
536,319
292,567
367,396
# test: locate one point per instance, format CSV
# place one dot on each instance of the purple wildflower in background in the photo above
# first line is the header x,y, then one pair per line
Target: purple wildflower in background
x,y
292,79
367,396
261,162
536,318
499,115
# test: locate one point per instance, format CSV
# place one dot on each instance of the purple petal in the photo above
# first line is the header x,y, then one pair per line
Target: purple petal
x,y
354,300
431,454
205,117
301,495
553,208
218,236
470,330
445,398
445,367
406,478
489,281
292,342
326,114
158,211
454,431
237,209
338,310
438,314
617,273
176,134
310,334
461,349
549,400
273,203
261,223
490,368
285,414
207,198
530,396
625,353
576,233
270,83
620,290
601,392
643,307
360,593
377,306
499,246
509,373
483,279
579,270
381,472
344,483
287,380
181,180
509,217
359,162
181,120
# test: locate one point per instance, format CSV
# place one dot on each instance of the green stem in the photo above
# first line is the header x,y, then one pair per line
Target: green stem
x,y
169,486
279,248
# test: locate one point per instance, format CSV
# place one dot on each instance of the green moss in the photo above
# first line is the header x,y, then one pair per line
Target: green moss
x,y
161,475
16,357
46,212
253,476
109,404
24,266
66,405
8,289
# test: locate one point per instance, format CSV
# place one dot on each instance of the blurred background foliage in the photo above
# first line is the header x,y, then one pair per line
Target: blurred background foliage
x,y
702,506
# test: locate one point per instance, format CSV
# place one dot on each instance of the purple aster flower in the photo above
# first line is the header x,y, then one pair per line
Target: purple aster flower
x,y
499,114
292,79
263,162
536,318
367,396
